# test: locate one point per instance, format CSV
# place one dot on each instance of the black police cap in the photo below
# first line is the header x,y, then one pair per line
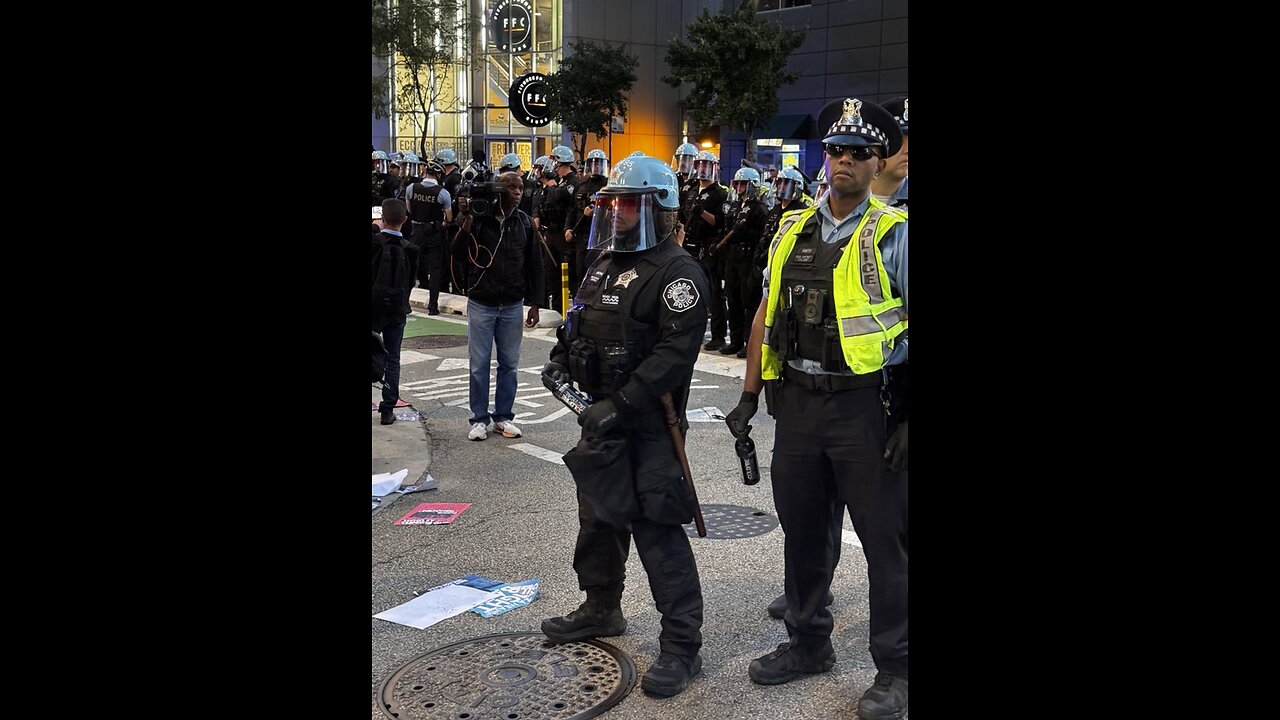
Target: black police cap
x,y
897,107
858,122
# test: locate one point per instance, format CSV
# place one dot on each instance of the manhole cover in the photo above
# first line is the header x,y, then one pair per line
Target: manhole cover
x,y
730,522
517,676
433,341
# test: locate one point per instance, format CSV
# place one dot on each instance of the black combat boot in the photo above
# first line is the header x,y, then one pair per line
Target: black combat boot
x,y
784,664
778,607
714,345
886,699
388,417
590,620
670,674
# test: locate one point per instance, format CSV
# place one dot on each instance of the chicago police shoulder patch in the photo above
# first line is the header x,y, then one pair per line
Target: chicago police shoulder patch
x,y
680,295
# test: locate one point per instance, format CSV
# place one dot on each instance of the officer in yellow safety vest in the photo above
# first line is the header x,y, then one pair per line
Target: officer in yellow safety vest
x,y
829,345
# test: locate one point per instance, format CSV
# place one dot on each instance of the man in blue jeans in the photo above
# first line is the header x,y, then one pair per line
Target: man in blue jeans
x,y
506,261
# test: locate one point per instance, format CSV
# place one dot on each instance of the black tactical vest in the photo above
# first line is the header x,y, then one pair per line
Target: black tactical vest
x,y
605,344
807,283
425,204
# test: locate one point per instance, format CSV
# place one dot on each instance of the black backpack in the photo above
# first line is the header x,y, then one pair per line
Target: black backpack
x,y
392,279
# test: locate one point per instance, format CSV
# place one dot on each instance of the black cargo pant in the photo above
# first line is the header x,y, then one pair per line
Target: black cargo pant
x,y
742,287
829,452
600,559
431,267
716,303
551,266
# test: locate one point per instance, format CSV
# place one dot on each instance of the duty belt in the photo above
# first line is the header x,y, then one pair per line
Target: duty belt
x,y
828,382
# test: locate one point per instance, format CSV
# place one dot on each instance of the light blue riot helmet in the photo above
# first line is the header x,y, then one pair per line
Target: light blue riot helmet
x,y
410,164
544,168
789,184
706,166
561,155
509,163
597,163
746,183
682,160
380,162
636,209
447,157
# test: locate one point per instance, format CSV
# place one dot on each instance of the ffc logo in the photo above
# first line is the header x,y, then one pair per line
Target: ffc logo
x,y
510,25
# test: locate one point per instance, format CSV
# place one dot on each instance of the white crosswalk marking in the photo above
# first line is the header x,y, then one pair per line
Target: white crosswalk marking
x,y
850,537
539,452
453,364
553,416
408,357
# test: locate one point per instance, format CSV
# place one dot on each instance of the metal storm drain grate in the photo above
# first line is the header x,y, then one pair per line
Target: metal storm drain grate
x,y
516,676
730,522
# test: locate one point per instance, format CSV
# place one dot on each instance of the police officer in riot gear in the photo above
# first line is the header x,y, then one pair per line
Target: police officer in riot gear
x,y
380,169
704,207
544,175
682,164
830,340
632,336
448,160
430,206
578,224
744,222
789,189
556,213
411,169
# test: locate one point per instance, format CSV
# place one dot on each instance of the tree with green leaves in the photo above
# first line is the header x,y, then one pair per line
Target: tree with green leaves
x,y
735,63
590,88
415,41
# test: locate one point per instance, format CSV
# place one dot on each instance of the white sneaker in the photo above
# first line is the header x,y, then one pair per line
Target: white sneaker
x,y
478,432
506,427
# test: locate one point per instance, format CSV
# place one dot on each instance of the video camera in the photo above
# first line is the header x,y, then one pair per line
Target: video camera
x,y
482,197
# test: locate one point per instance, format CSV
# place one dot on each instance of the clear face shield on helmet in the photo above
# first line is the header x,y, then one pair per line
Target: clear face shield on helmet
x,y
743,189
598,166
380,165
629,222
705,169
683,164
786,188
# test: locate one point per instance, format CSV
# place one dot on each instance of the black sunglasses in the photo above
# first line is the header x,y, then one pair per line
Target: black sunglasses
x,y
859,152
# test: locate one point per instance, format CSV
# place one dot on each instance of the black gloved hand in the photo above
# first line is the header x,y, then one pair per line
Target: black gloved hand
x,y
552,373
601,417
738,418
895,451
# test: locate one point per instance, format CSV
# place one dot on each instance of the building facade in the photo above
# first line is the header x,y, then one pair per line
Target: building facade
x,y
851,48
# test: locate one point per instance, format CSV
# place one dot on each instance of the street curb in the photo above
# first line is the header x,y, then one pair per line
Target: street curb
x,y
457,305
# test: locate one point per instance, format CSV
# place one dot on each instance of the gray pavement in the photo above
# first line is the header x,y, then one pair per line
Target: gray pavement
x,y
523,524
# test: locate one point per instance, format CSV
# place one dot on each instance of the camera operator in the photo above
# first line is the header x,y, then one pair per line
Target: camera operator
x,y
505,259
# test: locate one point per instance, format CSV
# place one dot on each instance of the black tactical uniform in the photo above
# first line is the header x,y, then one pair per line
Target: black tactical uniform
x,y
633,335
557,203
742,281
583,198
429,235
700,237
455,251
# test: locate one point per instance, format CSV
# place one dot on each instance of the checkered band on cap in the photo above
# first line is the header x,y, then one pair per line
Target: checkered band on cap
x,y
867,131
851,123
